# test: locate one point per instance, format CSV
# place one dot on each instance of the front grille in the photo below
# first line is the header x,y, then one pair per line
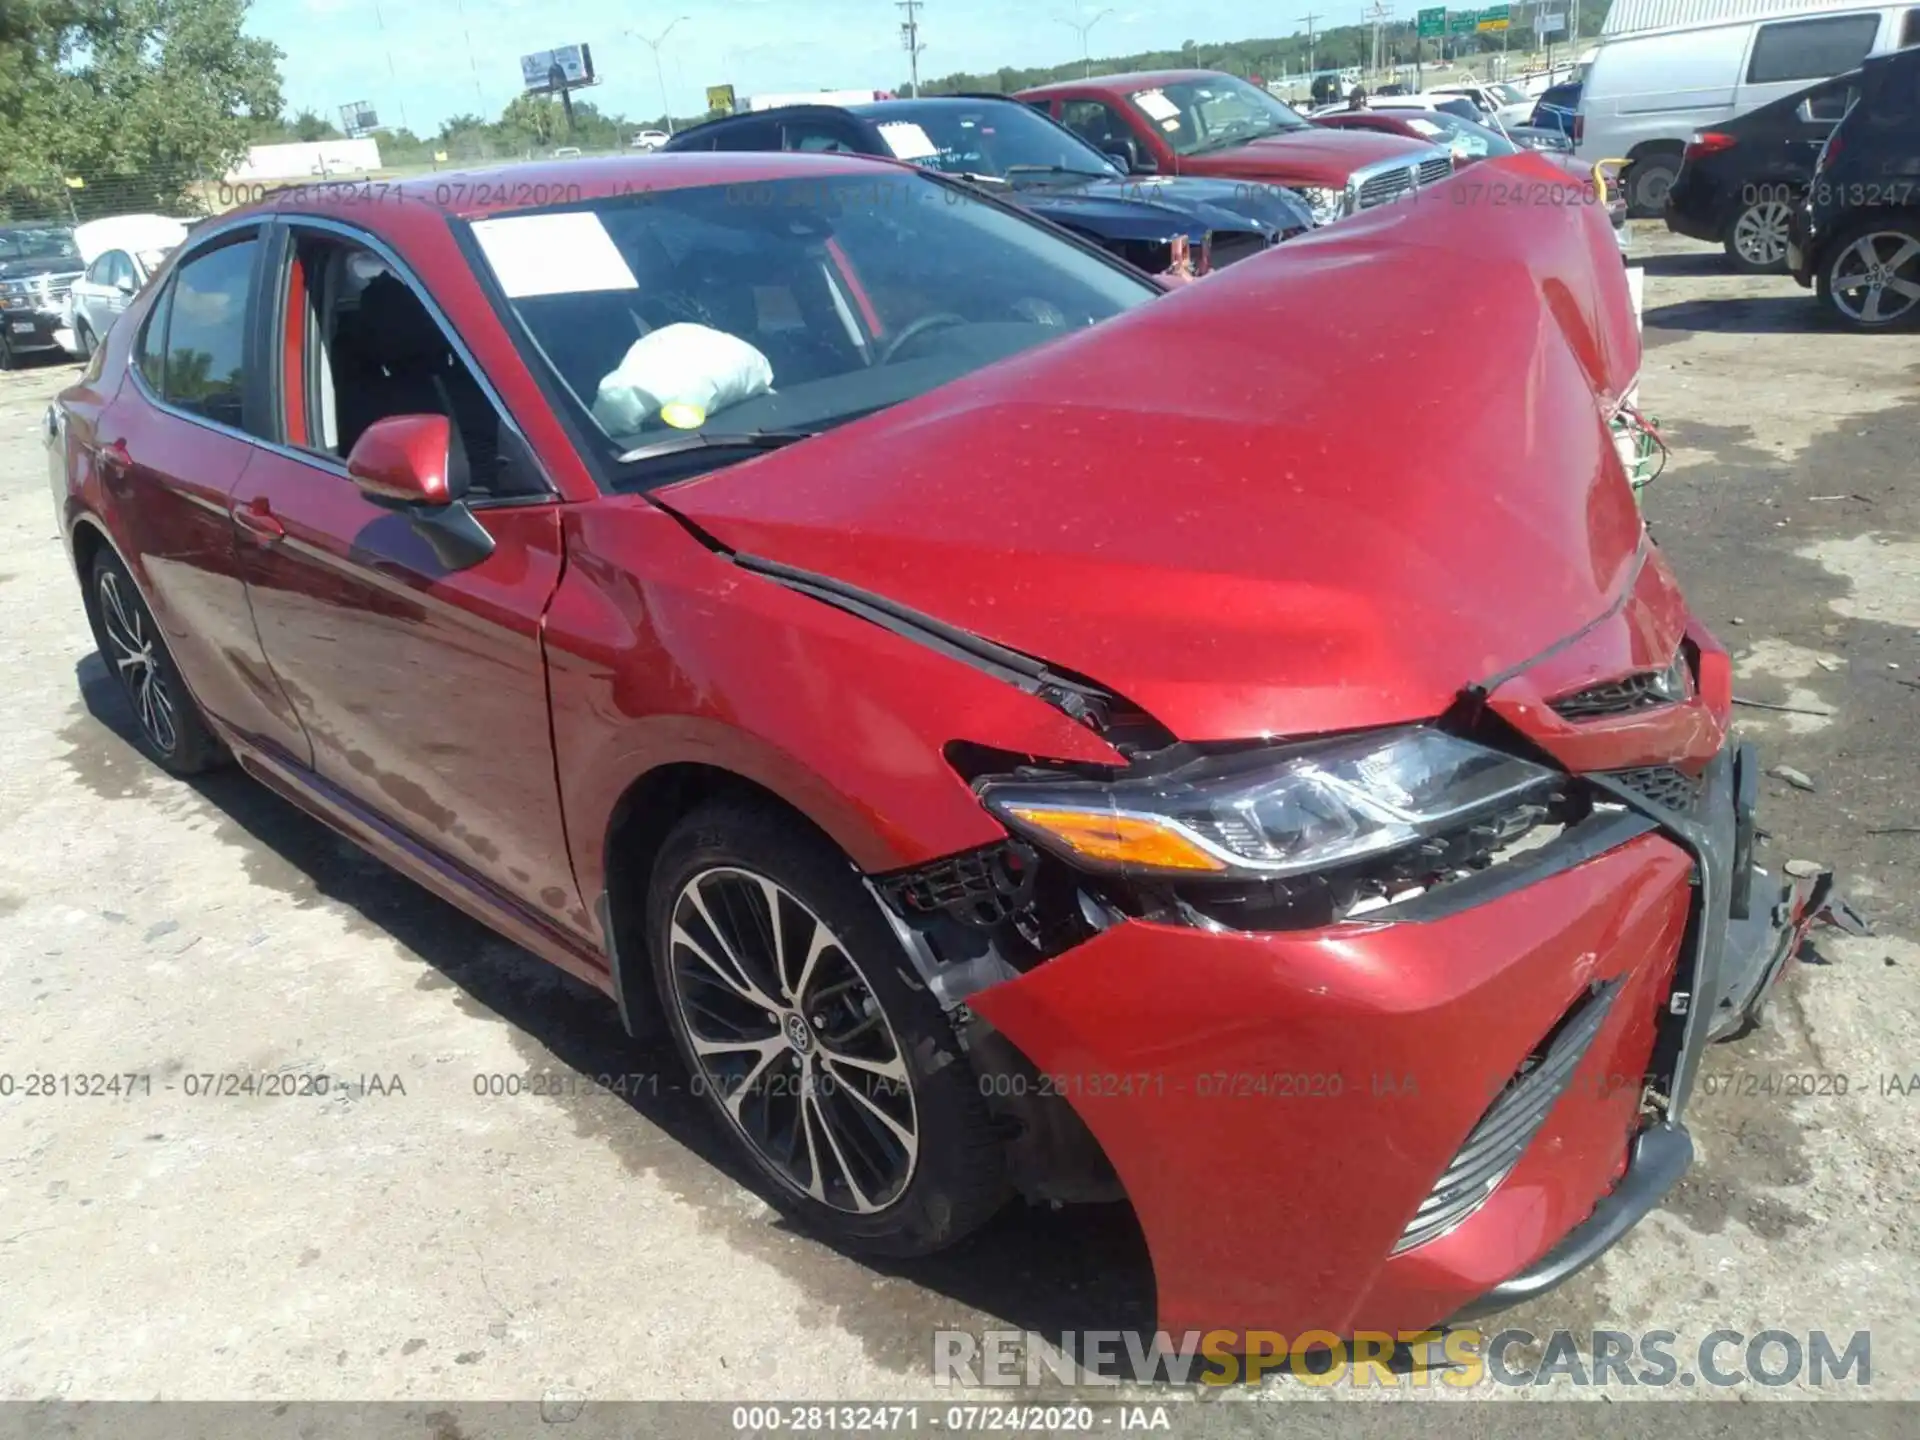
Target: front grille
x,y
1232,245
1495,1145
980,887
1385,185
1382,183
1644,691
1664,785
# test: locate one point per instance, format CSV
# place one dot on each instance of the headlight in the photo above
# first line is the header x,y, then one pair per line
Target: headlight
x,y
1270,813
1326,205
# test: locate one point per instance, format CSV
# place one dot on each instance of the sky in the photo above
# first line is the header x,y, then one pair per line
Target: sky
x,y
420,61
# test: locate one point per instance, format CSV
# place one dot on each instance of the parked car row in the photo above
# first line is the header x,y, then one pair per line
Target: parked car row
x,y
900,650
61,286
1824,183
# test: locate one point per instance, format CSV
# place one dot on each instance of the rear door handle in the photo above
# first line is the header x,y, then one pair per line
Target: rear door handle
x,y
256,518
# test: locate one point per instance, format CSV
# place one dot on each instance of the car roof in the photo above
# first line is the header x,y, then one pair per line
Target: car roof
x,y
539,185
1133,80
970,101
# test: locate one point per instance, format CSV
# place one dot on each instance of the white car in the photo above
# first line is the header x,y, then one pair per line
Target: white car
x,y
1511,104
649,140
120,254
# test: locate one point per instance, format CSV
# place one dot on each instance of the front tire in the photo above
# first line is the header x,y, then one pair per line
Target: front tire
x,y
1871,275
802,1024
168,724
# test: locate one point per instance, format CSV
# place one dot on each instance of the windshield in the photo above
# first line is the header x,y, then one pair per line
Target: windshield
x,y
684,322
1194,116
40,242
1509,94
1465,138
1007,141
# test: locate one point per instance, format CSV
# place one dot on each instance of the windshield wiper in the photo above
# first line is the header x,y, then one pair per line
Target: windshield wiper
x,y
978,177
706,440
1239,137
1061,170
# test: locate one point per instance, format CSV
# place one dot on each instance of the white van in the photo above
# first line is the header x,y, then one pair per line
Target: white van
x,y
1649,91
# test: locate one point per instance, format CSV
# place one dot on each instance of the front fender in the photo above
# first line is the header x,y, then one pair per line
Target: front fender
x,y
662,652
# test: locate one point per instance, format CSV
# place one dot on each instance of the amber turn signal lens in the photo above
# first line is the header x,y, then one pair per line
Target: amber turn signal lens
x,y
1119,839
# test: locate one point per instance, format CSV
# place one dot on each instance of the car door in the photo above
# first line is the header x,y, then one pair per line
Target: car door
x,y
170,448
420,677
89,294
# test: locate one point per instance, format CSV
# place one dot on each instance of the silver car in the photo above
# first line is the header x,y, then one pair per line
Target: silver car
x,y
108,287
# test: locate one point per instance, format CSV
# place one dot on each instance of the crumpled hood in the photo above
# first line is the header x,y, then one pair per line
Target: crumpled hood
x,y
1324,489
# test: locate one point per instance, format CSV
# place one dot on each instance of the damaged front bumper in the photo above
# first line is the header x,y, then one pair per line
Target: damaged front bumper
x,y
1738,944
1278,1105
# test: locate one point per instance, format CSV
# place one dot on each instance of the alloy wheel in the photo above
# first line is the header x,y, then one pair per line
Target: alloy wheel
x,y
1876,280
1760,234
789,1038
127,628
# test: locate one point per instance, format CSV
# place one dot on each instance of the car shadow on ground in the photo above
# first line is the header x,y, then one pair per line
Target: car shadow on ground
x,y
1693,263
1795,313
1031,1268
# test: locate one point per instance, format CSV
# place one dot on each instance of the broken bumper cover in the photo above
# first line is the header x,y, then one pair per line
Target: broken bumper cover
x,y
1279,1105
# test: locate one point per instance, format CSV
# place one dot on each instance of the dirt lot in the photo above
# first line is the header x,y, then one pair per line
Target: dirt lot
x,y
407,1236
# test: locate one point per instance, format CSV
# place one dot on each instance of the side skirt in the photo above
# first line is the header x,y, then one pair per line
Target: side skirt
x,y
423,865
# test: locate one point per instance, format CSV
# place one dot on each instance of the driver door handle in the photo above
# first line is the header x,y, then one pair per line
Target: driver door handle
x,y
113,460
256,518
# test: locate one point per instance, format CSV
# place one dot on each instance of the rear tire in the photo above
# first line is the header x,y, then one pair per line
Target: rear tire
x,y
1883,250
1756,239
802,1024
8,359
1648,180
167,723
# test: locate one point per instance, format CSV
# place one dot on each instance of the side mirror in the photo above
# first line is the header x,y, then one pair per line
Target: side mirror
x,y
124,285
404,460
1126,154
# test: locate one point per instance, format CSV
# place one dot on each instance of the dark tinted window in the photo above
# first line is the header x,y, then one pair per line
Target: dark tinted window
x,y
1828,105
1810,49
1095,123
760,135
207,332
1910,30
819,135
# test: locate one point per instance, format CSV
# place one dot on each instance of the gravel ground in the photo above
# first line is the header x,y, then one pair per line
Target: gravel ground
x,y
407,1237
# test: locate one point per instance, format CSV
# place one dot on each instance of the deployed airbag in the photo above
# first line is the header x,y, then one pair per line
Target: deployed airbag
x,y
694,369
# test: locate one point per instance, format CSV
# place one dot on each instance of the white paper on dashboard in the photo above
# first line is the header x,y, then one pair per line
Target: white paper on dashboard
x,y
563,254
1157,105
907,140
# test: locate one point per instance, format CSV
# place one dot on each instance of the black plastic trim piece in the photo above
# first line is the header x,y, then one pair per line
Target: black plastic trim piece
x,y
1591,838
1661,1155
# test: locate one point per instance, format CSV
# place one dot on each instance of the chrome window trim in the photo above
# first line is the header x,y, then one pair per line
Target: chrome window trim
x,y
326,462
404,271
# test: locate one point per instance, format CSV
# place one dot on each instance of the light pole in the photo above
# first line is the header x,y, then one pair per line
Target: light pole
x,y
659,74
1086,60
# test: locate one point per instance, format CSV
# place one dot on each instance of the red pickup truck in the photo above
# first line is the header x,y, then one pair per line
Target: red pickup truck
x,y
1203,122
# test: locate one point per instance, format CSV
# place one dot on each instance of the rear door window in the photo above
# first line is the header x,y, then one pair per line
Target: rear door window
x,y
1811,49
202,358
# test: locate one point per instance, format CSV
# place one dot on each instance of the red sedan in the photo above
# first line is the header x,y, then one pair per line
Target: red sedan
x,y
1021,730
1203,122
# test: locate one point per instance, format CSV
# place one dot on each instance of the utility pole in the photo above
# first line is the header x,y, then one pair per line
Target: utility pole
x,y
1084,27
910,38
1308,21
658,73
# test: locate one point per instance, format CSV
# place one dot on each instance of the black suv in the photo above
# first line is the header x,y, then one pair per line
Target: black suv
x,y
1740,182
1856,238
